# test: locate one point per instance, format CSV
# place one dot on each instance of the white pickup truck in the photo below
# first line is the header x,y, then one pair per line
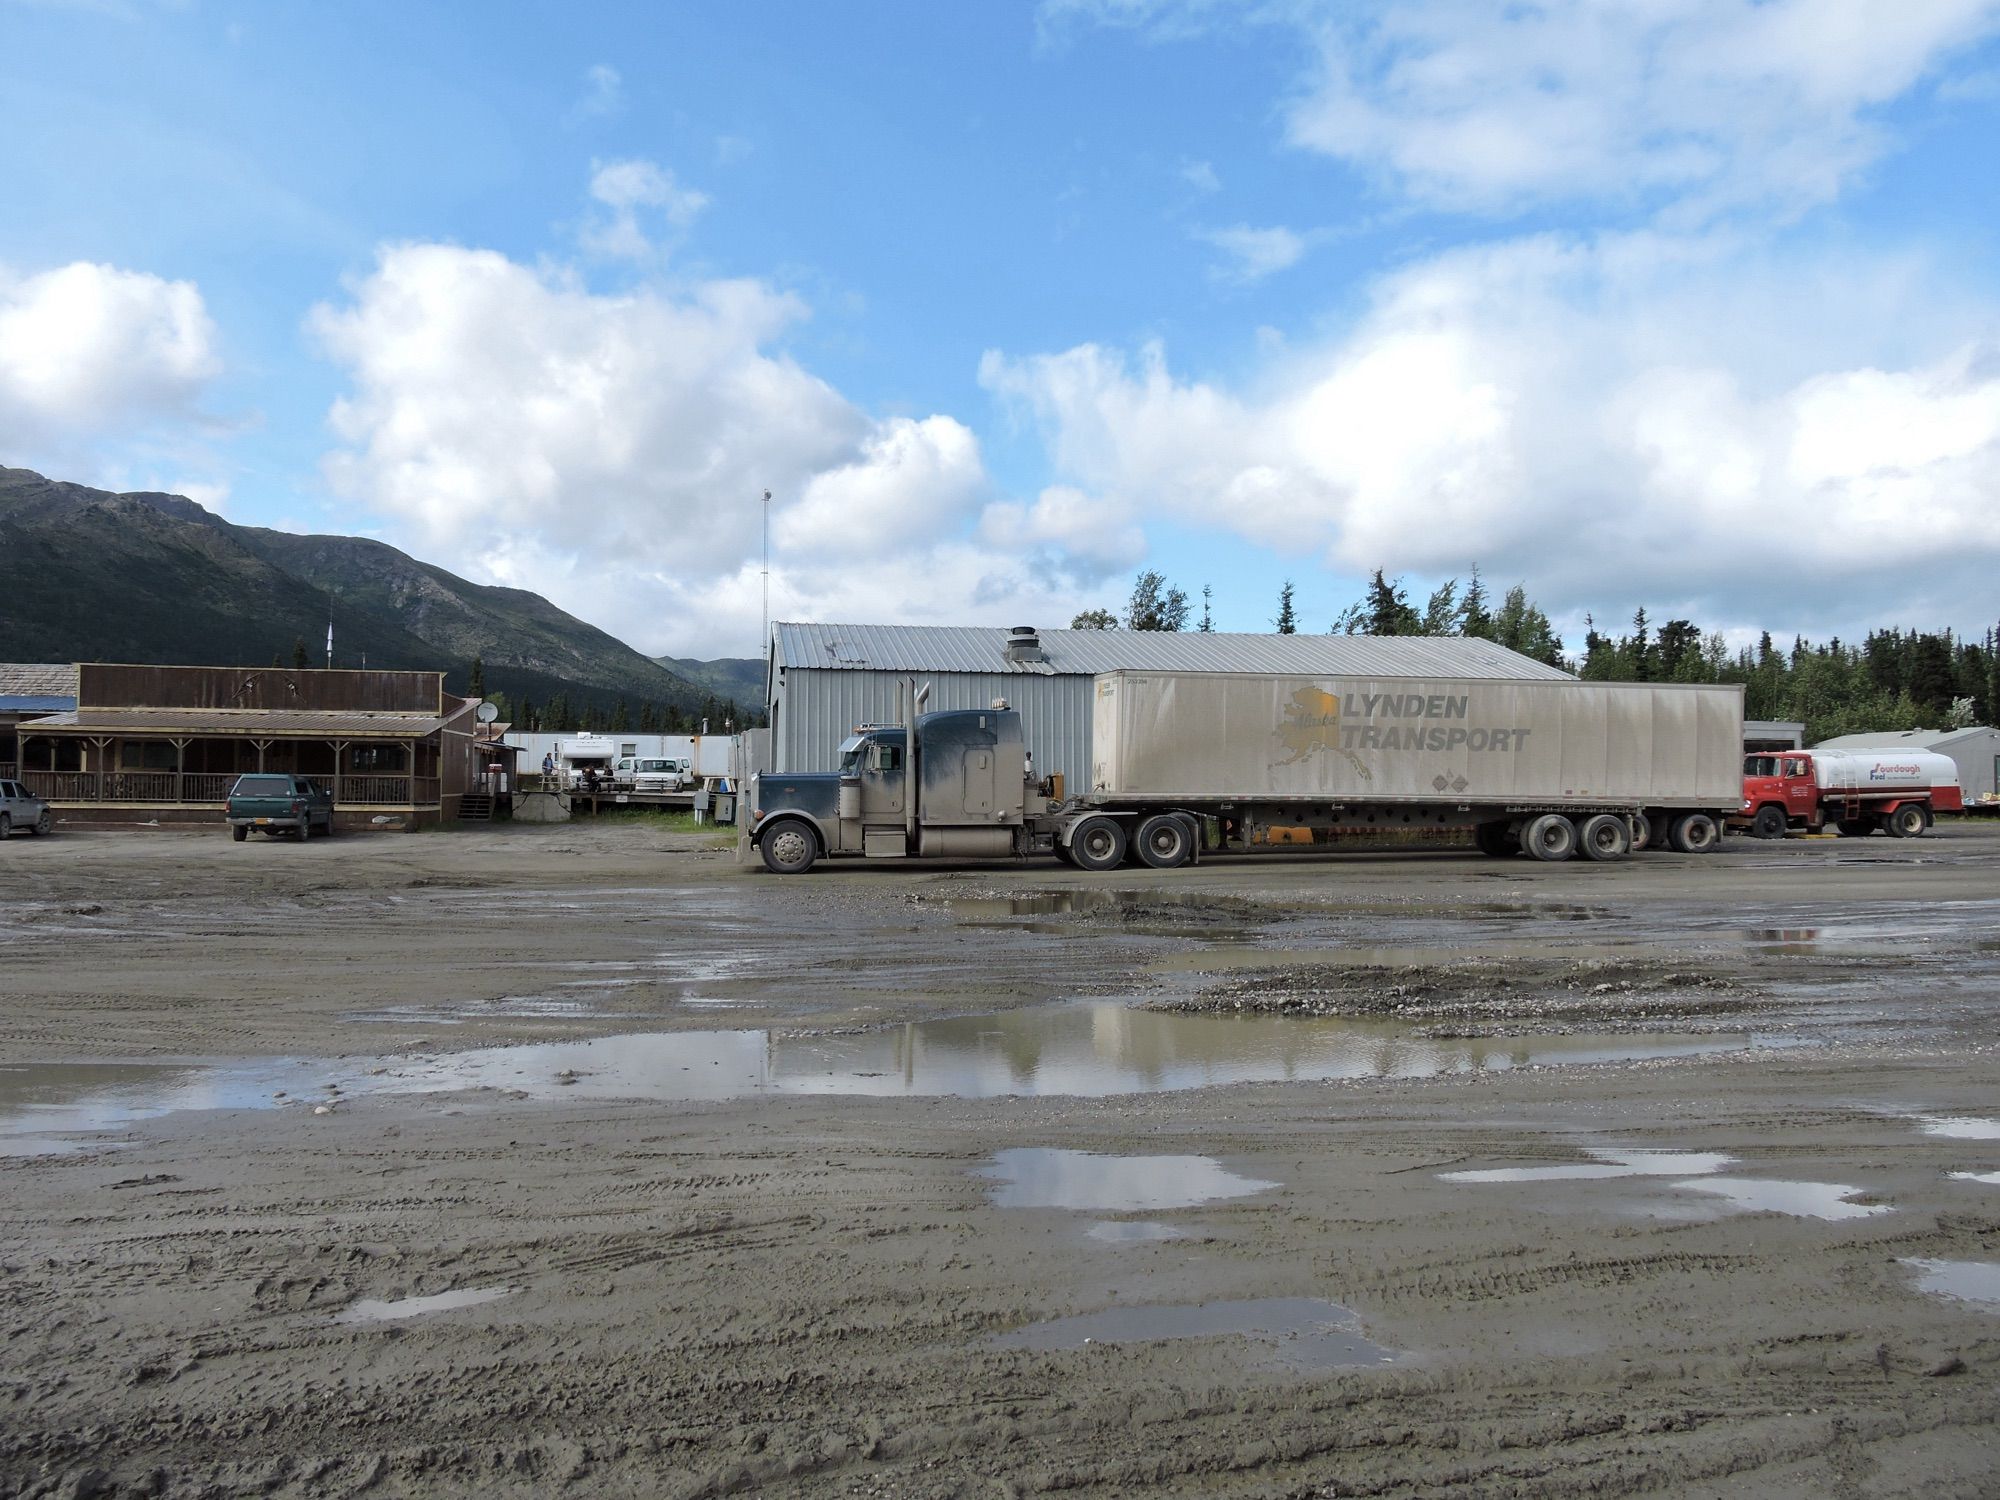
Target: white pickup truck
x,y
653,773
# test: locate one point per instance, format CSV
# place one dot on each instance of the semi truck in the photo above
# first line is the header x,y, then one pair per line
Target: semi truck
x,y
1898,792
1187,764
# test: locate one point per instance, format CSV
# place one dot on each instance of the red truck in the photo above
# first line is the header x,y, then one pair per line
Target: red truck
x,y
1858,791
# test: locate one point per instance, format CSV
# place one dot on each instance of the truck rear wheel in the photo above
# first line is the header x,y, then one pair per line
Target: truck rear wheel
x,y
1694,833
305,828
1906,822
1097,844
1550,837
1769,822
789,848
239,832
1164,842
1604,836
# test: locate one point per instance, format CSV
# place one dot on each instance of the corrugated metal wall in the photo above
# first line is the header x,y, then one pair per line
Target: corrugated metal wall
x,y
815,709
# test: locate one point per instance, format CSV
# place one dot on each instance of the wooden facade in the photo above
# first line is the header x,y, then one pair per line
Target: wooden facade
x,y
170,741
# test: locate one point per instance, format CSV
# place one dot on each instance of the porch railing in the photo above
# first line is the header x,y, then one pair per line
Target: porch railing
x,y
210,789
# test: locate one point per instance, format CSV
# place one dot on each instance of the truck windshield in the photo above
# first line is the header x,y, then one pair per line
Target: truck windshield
x,y
262,786
1761,765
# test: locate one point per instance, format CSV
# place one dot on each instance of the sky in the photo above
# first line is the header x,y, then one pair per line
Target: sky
x,y
1685,304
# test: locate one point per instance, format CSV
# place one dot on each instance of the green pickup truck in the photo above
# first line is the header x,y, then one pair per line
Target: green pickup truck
x,y
271,801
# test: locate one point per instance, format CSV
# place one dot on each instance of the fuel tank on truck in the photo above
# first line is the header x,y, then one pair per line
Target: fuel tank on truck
x,y
1459,741
1883,770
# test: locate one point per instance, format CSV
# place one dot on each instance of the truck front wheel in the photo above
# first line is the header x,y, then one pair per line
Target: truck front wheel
x,y
1097,844
789,848
1906,822
1550,837
1769,822
1164,842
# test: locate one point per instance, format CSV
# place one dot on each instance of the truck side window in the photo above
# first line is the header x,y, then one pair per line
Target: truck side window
x,y
884,757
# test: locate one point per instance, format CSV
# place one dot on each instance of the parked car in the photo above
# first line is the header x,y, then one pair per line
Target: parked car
x,y
21,808
273,801
653,773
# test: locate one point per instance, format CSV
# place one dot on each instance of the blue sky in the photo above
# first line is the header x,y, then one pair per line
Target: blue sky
x,y
1690,305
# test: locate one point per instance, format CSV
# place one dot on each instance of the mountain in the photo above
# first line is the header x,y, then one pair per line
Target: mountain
x,y
738,678
147,577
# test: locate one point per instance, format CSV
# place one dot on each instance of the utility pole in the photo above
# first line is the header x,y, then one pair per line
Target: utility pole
x,y
764,645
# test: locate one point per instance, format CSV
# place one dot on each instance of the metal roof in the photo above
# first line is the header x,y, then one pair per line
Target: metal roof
x,y
39,680
264,723
1909,739
982,648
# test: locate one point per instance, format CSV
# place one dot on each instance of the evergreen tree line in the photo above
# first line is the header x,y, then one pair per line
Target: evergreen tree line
x,y
1893,679
558,715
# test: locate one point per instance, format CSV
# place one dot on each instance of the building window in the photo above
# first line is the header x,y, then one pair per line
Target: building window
x,y
145,755
377,759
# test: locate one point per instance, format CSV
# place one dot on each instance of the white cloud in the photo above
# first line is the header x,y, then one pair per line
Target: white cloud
x,y
626,188
1700,104
1101,535
603,91
90,349
609,451
1255,253
1614,420
1201,176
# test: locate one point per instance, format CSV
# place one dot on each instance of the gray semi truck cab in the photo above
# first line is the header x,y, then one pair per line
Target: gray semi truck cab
x,y
975,796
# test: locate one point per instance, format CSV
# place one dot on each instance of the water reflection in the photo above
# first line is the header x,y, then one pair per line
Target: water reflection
x,y
1963,1280
1039,1177
1303,1332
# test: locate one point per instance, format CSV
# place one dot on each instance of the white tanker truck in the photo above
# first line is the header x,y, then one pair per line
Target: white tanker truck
x,y
1897,792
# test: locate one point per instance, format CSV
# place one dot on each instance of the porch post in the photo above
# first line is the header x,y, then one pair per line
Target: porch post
x,y
180,769
339,751
101,744
262,746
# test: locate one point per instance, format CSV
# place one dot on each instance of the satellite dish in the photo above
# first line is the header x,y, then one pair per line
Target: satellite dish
x,y
486,713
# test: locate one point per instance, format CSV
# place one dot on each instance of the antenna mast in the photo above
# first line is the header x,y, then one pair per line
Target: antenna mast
x,y
764,645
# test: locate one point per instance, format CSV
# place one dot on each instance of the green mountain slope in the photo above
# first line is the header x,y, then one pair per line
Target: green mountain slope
x,y
739,678
144,577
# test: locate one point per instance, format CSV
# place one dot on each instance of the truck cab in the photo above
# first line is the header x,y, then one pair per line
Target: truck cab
x,y
1779,791
955,784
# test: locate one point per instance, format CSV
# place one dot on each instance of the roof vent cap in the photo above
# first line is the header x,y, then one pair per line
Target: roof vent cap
x,y
1023,644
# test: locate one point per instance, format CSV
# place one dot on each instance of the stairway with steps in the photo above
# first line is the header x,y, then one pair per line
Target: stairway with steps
x,y
475,807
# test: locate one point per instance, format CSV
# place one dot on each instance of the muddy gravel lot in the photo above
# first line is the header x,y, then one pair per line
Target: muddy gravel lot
x,y
587,1160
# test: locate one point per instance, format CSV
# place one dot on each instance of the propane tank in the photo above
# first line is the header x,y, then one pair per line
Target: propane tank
x,y
1865,770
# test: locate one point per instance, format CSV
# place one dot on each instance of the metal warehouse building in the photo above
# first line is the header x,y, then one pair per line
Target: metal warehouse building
x,y
1976,750
826,679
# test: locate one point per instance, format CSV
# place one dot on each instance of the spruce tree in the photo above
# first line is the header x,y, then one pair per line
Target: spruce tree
x,y
1288,619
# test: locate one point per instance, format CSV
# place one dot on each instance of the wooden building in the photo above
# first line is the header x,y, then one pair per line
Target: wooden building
x,y
166,743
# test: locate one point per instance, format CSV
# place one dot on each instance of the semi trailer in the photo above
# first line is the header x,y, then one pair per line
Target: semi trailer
x,y
1188,764
1898,792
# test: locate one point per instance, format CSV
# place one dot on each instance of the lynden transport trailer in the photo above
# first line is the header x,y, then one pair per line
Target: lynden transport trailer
x,y
1194,763
1858,791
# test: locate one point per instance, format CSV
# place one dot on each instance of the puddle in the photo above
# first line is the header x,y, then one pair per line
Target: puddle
x,y
1133,1232
1089,1050
1962,1280
1608,1164
1959,1127
370,1311
1038,1177
1803,1200
1303,1332
1991,1179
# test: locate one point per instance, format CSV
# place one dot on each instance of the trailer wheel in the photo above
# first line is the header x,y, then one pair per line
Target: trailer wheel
x,y
1694,833
1769,822
1497,839
1906,822
1097,844
1642,832
1164,842
1856,828
1551,837
789,848
1604,836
